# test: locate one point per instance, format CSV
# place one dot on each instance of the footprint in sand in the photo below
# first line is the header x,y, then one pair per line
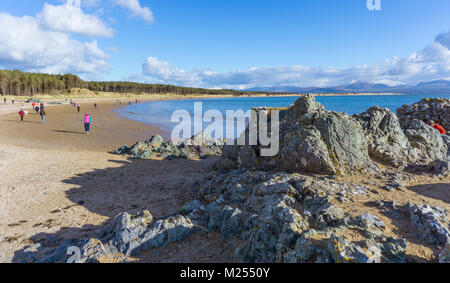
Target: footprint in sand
x,y
17,224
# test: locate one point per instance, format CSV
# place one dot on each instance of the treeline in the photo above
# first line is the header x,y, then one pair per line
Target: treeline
x,y
28,84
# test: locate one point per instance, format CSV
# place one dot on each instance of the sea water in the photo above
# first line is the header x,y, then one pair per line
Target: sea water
x,y
159,113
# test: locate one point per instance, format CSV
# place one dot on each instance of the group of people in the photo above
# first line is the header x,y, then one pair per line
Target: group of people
x,y
137,101
77,105
4,100
41,110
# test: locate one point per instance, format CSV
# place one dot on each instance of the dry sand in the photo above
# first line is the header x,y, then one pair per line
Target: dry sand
x,y
58,183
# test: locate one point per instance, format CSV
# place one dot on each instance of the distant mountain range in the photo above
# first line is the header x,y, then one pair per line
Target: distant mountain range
x,y
433,87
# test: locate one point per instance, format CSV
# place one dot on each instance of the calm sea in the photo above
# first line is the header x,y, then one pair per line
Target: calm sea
x,y
159,113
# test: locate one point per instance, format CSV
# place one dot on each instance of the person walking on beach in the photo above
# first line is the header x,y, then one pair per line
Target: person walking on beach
x,y
95,106
33,104
37,109
87,122
12,101
437,127
42,113
4,100
78,108
22,114
42,106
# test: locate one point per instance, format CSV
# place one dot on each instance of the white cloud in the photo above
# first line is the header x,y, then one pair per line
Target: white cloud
x,y
136,9
26,45
163,72
70,18
432,62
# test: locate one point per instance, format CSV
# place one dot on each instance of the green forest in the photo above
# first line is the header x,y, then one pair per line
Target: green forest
x,y
19,83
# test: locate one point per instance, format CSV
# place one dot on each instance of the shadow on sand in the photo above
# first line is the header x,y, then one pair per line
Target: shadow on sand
x,y
160,186
436,191
68,132
24,121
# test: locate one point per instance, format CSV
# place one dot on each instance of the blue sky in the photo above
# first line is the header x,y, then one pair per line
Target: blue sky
x,y
229,43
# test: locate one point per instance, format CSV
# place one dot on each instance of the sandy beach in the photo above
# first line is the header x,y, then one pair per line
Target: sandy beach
x,y
58,183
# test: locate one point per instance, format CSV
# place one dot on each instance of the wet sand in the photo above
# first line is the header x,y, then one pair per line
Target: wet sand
x,y
64,129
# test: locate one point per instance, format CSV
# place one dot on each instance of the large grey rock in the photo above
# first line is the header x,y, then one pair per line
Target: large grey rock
x,y
73,251
345,141
129,234
387,249
302,149
369,221
426,140
343,251
306,251
431,224
156,147
446,139
311,140
437,109
387,142
444,256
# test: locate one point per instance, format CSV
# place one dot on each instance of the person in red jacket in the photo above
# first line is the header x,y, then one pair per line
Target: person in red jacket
x,y
21,113
438,127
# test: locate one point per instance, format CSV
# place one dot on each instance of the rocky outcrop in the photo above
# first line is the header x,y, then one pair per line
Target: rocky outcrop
x,y
278,217
126,235
311,140
156,147
387,142
437,109
325,142
426,140
390,144
431,224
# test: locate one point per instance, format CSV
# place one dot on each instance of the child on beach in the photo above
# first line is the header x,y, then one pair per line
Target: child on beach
x,y
37,109
87,122
22,114
78,108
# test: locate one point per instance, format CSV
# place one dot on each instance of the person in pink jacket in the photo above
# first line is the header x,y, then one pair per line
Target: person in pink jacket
x,y
21,114
87,122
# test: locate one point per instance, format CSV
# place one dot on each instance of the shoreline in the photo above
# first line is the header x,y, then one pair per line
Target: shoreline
x,y
20,101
